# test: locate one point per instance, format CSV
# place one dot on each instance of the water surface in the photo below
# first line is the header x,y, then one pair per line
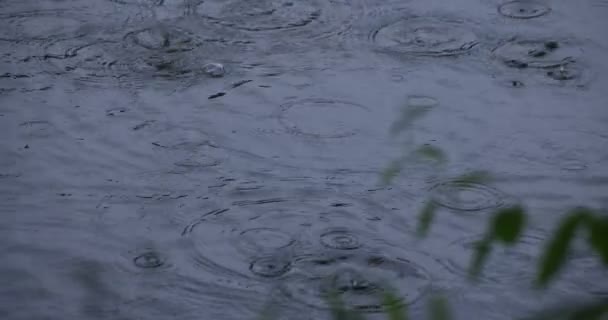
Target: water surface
x,y
138,181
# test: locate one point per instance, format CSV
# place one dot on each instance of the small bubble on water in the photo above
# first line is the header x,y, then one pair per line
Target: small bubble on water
x,y
215,70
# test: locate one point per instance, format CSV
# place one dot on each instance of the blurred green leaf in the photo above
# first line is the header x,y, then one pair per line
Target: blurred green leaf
x,y
438,309
432,153
426,217
598,239
409,114
509,224
339,311
475,177
269,312
482,251
593,310
391,172
395,309
554,256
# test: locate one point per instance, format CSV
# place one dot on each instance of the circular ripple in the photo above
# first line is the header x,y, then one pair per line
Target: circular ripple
x,y
270,267
323,17
323,118
425,36
520,9
261,15
169,40
466,196
360,280
149,56
39,25
511,265
224,245
140,2
536,53
505,264
143,260
341,239
265,239
148,260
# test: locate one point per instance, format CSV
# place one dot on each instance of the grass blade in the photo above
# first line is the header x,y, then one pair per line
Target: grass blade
x,y
509,224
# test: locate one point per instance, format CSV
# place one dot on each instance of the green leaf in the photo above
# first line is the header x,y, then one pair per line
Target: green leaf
x,y
426,217
598,239
475,177
554,256
432,153
391,172
592,310
438,309
339,310
394,307
409,114
482,251
509,224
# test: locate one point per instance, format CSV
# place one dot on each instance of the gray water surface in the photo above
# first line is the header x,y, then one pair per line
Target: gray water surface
x,y
137,184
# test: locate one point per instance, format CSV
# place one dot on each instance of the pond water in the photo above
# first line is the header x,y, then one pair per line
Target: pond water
x,y
190,159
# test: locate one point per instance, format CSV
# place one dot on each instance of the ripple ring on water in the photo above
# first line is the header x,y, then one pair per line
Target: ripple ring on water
x,y
536,53
265,239
270,267
323,118
341,239
450,195
148,260
360,280
519,9
425,36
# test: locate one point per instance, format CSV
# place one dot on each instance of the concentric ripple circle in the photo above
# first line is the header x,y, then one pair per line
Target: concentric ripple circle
x,y
140,2
323,118
319,18
148,56
505,264
148,260
341,239
222,247
265,239
425,36
261,15
270,267
360,280
466,196
536,53
521,9
41,24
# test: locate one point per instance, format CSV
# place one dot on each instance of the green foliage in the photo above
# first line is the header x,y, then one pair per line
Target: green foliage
x,y
482,252
338,310
426,217
478,176
391,172
431,152
439,309
393,306
598,238
504,228
554,256
567,311
409,114
508,224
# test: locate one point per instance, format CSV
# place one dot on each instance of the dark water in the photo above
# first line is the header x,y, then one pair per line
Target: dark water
x,y
139,182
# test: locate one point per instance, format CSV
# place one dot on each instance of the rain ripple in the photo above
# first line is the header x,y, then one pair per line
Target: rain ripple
x,y
165,55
